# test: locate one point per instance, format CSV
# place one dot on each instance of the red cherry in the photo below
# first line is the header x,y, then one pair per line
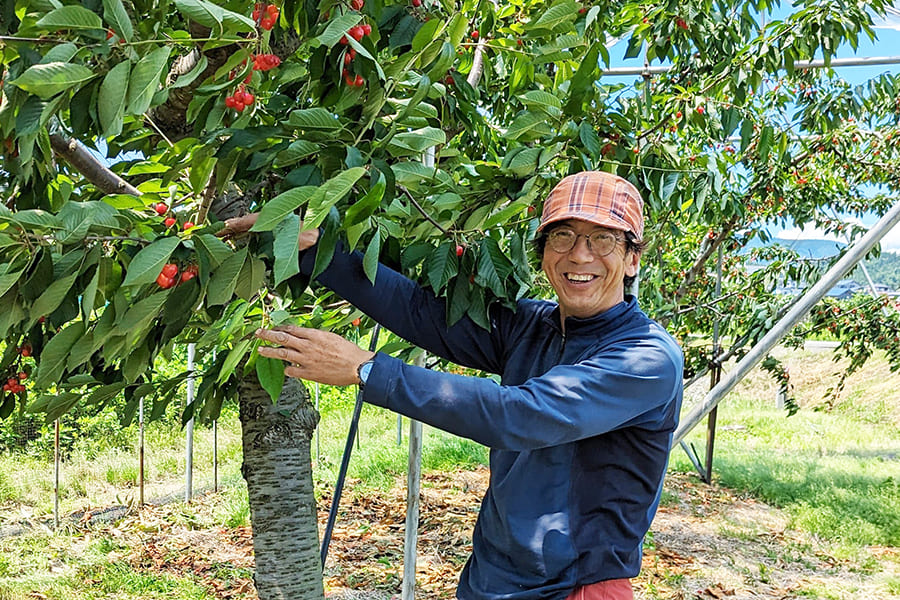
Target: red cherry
x,y
164,282
356,32
6,387
356,322
110,34
475,34
255,14
187,276
357,4
519,42
267,23
460,250
367,29
417,3
349,80
272,11
238,106
582,10
25,351
348,59
161,208
678,115
700,110
229,102
344,41
23,375
247,98
187,225
169,221
359,81
170,270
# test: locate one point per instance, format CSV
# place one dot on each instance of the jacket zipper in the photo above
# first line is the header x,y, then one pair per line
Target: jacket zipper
x,y
562,348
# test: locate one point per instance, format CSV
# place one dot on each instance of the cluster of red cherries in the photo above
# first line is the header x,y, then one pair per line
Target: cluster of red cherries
x,y
265,15
162,209
357,32
169,275
14,383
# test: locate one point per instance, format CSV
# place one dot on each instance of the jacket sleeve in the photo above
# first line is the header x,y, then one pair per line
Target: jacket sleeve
x,y
633,384
413,313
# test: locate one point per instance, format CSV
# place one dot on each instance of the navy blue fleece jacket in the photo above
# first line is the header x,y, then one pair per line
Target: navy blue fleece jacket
x,y
579,428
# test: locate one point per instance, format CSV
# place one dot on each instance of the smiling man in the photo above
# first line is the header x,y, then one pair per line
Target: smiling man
x,y
581,423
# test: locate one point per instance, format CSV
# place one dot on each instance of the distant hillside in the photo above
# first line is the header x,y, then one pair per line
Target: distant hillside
x,y
885,269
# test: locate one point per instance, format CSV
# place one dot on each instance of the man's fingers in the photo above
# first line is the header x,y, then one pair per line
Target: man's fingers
x,y
238,225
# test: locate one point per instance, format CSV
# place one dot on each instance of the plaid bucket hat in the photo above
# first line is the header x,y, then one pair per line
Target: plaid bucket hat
x,y
596,197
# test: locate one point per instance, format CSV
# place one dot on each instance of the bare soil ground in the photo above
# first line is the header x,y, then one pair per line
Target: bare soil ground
x,y
706,543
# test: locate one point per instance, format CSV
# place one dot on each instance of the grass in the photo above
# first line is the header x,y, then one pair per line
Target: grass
x,y
836,472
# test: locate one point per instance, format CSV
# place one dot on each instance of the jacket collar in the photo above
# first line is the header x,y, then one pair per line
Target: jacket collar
x,y
593,323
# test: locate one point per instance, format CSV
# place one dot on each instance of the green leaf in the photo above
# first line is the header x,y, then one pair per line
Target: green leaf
x,y
204,13
559,13
62,53
329,194
287,248
337,28
28,121
442,265
458,299
521,161
252,278
278,208
9,280
147,264
415,142
370,258
314,118
297,151
270,372
36,218
104,393
46,80
224,279
115,14
188,78
590,139
527,122
70,17
89,297
215,249
365,207
426,34
55,354
145,80
493,267
55,405
139,316
111,102
234,357
52,297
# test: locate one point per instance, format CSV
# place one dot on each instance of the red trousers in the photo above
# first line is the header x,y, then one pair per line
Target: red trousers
x,y
613,589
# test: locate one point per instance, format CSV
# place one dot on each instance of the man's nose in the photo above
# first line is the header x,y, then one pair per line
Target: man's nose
x,y
580,251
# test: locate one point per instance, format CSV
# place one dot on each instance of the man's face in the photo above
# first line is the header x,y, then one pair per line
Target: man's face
x,y
587,284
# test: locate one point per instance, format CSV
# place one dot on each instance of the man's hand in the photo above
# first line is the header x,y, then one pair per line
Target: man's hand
x,y
238,226
314,355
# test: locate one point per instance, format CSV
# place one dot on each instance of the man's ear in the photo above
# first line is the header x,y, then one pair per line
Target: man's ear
x,y
632,260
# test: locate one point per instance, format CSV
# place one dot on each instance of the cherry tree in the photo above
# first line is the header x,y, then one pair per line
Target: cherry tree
x,y
130,131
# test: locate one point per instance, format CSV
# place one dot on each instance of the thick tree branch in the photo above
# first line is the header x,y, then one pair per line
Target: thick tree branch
x,y
90,166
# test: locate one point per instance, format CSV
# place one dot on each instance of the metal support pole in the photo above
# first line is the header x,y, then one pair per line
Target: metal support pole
x,y
345,462
413,484
216,455
318,447
788,321
141,452
56,474
189,435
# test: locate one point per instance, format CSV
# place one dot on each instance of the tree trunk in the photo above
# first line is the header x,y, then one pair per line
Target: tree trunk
x,y
278,470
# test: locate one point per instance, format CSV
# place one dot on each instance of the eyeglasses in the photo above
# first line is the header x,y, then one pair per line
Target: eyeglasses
x,y
600,243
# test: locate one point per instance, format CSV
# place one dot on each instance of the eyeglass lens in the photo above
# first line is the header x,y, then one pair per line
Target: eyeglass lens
x,y
599,243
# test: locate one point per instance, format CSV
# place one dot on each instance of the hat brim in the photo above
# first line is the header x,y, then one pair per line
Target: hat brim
x,y
608,222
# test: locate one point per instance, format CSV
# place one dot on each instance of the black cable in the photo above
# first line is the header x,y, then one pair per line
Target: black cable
x,y
345,460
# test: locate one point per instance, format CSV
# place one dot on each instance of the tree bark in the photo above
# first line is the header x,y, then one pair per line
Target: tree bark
x,y
278,469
